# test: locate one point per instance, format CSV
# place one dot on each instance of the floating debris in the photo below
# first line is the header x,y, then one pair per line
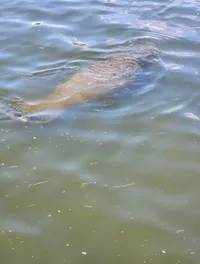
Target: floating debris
x,y
180,231
5,130
30,205
87,206
37,183
161,133
191,115
125,185
84,253
67,245
84,185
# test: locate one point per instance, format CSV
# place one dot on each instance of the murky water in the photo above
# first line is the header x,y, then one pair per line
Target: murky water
x,y
111,181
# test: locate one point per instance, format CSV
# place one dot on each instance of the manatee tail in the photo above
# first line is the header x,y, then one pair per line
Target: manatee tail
x,y
33,117
10,111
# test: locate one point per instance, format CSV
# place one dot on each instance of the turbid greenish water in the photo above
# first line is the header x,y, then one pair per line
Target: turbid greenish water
x,y
114,180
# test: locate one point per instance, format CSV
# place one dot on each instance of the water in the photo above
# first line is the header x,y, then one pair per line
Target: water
x,y
112,181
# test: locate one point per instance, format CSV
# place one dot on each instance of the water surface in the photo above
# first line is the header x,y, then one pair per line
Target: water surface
x,y
110,181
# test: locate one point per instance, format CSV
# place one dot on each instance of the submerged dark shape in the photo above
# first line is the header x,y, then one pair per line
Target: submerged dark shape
x,y
87,84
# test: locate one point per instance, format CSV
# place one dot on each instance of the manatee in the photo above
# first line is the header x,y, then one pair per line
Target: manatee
x,y
89,83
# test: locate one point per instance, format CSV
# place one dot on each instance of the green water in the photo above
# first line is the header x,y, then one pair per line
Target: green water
x,y
112,181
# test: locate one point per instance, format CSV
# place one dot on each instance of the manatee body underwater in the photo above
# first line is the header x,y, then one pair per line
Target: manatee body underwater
x,y
88,84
